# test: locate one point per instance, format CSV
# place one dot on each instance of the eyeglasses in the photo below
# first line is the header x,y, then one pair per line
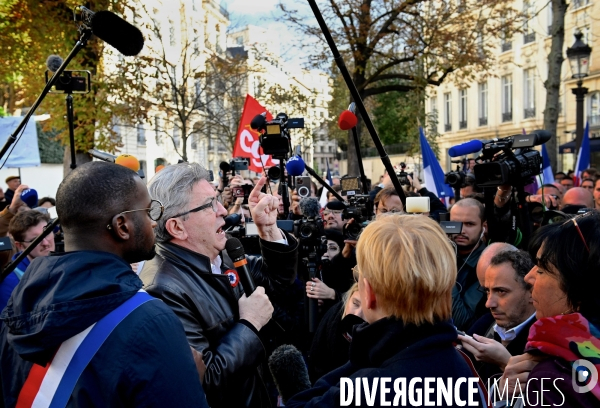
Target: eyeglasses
x,y
154,212
334,212
49,236
392,211
579,217
214,203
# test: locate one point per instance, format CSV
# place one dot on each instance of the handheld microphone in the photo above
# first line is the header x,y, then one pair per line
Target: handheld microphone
x,y
129,161
295,166
235,250
310,207
289,371
259,121
231,220
112,29
30,197
347,120
463,149
53,63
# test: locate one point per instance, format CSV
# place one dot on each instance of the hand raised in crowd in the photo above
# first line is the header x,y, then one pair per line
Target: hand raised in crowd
x,y
319,290
17,204
486,350
547,199
263,208
256,309
349,244
295,205
518,367
415,183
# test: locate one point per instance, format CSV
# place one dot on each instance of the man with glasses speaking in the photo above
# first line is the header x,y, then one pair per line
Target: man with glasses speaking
x,y
194,276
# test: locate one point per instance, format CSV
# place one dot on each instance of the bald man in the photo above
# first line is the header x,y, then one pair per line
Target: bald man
x,y
578,196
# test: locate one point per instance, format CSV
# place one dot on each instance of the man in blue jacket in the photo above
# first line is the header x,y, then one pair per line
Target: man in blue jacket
x,y
107,217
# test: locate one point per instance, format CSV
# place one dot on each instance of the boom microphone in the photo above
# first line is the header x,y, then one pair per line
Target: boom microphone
x,y
463,149
347,120
295,166
289,371
235,250
310,207
53,63
112,29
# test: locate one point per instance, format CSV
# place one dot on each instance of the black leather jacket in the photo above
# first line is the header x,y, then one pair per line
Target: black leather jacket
x,y
207,305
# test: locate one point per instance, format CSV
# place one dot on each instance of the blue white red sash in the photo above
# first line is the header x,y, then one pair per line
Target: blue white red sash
x,y
52,385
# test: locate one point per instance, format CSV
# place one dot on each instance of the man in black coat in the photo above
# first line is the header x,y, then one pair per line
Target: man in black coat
x,y
509,300
196,279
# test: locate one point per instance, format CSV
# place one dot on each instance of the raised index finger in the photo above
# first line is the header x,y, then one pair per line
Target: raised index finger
x,y
255,193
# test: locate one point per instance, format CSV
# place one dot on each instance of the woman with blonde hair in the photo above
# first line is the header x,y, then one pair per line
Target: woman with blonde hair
x,y
406,271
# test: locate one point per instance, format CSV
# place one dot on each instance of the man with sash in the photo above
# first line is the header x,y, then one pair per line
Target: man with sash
x,y
77,330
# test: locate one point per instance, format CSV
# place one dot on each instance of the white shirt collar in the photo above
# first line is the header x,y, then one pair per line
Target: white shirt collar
x,y
510,334
215,266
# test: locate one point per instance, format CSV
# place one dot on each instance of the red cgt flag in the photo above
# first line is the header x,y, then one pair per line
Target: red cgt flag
x,y
247,142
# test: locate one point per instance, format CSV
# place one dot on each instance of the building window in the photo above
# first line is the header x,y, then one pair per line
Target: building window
x,y
529,93
194,144
447,112
462,109
507,94
434,107
176,136
171,34
157,130
594,109
529,11
505,40
580,3
550,17
483,103
141,135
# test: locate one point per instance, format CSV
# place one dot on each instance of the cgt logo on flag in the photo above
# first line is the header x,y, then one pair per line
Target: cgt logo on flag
x,y
584,376
247,142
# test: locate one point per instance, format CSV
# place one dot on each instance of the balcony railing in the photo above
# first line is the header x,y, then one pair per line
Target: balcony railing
x,y
482,121
506,116
594,120
529,113
447,127
462,124
528,38
506,46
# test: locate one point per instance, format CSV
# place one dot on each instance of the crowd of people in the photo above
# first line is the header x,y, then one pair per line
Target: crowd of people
x,y
145,306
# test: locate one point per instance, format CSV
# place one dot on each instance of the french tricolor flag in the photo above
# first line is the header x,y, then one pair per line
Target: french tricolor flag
x,y
583,157
432,171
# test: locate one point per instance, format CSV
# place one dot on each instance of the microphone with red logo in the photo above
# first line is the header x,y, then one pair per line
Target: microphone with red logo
x,y
236,252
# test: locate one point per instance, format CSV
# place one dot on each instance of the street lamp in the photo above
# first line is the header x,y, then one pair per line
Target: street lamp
x,y
579,58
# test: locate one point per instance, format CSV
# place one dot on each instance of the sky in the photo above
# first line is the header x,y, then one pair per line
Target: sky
x,y
264,13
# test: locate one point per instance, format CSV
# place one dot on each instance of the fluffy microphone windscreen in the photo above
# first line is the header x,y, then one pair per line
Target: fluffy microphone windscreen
x,y
128,161
347,120
30,197
289,371
310,207
53,63
112,29
295,166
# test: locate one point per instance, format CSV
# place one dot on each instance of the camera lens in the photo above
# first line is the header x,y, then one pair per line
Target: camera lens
x,y
303,191
274,173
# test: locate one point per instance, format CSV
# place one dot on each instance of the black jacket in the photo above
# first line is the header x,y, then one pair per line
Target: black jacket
x,y
145,361
207,305
466,294
388,348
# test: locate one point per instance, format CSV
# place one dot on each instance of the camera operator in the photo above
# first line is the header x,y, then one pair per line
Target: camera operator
x,y
332,216
470,244
193,275
469,187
